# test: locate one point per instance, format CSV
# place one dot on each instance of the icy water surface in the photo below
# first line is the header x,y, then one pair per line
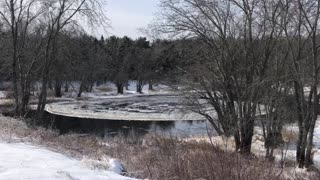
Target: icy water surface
x,y
111,128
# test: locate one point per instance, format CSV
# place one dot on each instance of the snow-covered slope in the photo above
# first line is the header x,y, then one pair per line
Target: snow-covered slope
x,y
23,161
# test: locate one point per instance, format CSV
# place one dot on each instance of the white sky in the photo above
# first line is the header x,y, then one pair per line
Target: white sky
x,y
127,16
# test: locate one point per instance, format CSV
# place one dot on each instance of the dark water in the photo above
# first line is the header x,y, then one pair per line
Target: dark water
x,y
112,128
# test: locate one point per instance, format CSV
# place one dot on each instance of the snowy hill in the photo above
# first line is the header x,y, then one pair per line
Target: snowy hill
x,y
23,161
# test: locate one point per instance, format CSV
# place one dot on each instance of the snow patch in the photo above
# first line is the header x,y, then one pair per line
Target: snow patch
x,y
104,163
23,161
116,166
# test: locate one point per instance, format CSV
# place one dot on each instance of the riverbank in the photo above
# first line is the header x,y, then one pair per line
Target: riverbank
x,y
36,153
150,157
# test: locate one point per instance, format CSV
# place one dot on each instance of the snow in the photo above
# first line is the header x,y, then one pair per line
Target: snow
x,y
24,161
288,151
112,90
115,166
2,94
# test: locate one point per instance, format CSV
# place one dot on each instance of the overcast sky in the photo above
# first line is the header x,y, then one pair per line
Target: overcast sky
x,y
127,16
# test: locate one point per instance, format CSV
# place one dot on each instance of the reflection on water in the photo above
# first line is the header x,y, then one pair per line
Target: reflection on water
x,y
111,128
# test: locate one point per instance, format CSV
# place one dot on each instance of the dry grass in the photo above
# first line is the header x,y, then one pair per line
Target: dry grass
x,y
7,102
162,158
289,135
154,157
13,130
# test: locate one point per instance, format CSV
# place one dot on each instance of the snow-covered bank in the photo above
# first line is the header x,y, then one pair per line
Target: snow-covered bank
x,y
284,153
23,161
153,158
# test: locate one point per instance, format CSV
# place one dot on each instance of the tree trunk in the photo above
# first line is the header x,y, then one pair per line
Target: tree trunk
x,y
15,89
120,87
66,87
81,88
57,87
43,95
308,157
50,84
315,103
246,131
91,87
303,146
25,96
45,78
237,140
139,86
150,85
14,34
273,136
246,141
127,86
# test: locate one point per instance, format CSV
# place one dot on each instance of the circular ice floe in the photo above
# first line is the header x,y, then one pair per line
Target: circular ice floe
x,y
137,108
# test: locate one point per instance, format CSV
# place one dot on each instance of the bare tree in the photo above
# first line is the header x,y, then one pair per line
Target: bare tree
x,y
61,14
20,17
301,29
238,41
